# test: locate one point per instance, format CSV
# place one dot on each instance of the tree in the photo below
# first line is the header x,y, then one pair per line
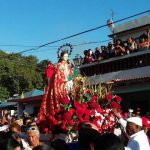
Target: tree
x,y
41,68
20,74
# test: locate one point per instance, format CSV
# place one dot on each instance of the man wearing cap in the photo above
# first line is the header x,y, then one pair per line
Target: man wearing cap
x,y
138,139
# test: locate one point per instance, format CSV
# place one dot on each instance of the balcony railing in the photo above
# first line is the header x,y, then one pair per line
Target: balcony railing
x,y
130,61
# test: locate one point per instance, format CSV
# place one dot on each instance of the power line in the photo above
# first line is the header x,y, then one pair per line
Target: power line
x,y
15,45
86,43
80,33
75,45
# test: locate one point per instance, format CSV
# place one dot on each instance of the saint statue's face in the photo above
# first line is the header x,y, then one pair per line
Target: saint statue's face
x,y
65,57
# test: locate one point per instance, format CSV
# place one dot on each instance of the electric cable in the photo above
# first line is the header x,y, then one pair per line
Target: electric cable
x,y
83,32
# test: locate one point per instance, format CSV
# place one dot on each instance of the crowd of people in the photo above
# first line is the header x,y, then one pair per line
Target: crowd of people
x,y
118,48
24,133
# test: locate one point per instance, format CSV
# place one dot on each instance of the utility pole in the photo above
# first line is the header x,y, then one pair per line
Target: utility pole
x,y
112,17
112,14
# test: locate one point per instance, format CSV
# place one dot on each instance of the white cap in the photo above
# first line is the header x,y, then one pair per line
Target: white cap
x,y
3,128
135,120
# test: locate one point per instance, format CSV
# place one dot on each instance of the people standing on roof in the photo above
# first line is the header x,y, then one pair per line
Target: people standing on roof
x,y
97,53
119,49
143,42
132,44
111,49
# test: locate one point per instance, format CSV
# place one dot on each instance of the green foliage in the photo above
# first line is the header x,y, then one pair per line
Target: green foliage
x,y
41,67
4,93
20,74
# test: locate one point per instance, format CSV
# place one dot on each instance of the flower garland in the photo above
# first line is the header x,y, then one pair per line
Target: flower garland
x,y
88,103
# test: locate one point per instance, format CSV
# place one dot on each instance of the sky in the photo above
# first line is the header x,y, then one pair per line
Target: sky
x,y
25,24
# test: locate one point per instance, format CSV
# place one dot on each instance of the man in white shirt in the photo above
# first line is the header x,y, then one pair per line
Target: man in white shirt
x,y
138,139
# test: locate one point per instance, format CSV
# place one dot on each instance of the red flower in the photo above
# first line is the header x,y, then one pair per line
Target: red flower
x,y
115,105
64,128
118,99
77,123
79,112
94,105
109,96
72,111
65,100
99,110
94,98
87,112
86,118
92,112
75,128
84,105
71,123
53,120
95,121
77,104
68,115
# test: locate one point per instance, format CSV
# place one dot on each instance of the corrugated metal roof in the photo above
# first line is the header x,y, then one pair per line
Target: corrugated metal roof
x,y
133,24
137,73
131,74
7,104
32,93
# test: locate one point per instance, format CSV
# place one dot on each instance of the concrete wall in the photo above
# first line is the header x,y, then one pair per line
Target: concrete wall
x,y
133,33
20,109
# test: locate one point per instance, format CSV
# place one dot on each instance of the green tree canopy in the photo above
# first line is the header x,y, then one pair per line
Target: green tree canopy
x,y
20,74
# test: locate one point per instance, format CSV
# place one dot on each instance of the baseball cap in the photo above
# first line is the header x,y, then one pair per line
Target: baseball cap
x,y
135,120
146,122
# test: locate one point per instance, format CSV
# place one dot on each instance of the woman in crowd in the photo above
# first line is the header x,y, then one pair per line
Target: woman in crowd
x,y
85,59
90,56
97,53
132,44
119,49
144,44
